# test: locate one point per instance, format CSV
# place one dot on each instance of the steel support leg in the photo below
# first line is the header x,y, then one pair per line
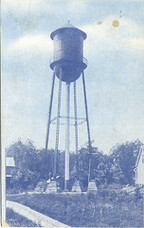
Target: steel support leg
x,y
87,121
67,141
76,126
49,117
57,129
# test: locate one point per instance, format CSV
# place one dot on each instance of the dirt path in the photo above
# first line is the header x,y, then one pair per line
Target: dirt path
x,y
34,216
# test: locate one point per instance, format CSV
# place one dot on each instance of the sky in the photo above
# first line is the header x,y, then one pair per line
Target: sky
x,y
114,76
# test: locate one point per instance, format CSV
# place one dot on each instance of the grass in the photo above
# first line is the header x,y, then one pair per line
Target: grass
x,y
103,209
15,220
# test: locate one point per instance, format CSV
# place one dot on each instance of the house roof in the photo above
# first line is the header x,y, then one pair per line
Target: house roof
x,y
10,161
139,155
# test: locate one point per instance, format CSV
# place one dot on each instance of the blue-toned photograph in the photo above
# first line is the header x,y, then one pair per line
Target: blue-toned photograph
x,y
72,79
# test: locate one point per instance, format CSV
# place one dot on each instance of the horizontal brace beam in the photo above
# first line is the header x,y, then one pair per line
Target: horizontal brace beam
x,y
70,124
65,117
71,117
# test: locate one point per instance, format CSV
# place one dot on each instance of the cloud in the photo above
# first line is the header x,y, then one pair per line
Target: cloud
x,y
28,56
104,35
38,43
136,43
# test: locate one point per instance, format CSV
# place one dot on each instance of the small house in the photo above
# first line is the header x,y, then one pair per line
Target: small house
x,y
139,168
10,167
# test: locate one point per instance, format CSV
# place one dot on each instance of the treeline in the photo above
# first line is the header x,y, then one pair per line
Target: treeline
x,y
33,165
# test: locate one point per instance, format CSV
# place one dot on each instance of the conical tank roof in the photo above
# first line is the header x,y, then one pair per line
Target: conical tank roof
x,y
67,26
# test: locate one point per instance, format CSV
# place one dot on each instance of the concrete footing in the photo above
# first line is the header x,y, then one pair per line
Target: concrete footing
x,y
92,186
52,187
76,187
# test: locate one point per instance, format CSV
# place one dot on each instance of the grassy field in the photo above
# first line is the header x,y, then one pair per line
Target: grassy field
x,y
103,209
15,220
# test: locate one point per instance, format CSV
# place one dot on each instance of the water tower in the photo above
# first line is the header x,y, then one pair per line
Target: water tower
x,y
68,65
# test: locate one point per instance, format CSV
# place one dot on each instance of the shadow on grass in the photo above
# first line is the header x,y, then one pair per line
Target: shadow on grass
x,y
15,220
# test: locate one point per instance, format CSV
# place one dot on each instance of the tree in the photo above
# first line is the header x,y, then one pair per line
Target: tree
x,y
26,175
33,165
123,158
96,157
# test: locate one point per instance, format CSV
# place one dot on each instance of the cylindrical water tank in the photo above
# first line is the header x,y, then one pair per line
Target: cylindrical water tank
x,y
68,61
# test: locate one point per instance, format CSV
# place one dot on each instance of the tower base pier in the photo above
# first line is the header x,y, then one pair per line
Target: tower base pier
x,y
52,187
92,186
76,187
